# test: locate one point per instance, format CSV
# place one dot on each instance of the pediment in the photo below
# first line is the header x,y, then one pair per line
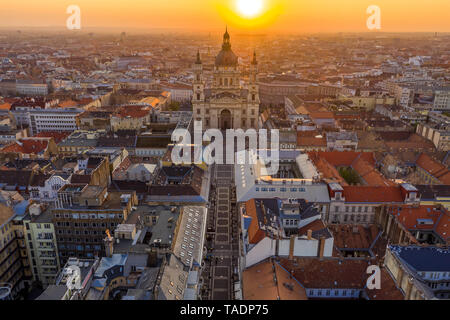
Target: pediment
x,y
225,97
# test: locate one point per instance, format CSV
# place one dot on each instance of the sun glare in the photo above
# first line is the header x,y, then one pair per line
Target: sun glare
x,y
250,8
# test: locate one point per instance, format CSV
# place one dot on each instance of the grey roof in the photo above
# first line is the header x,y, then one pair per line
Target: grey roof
x,y
191,233
165,225
423,258
345,135
108,262
53,292
173,280
433,191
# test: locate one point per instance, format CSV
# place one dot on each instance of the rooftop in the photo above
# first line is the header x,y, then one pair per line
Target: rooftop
x,y
423,259
258,283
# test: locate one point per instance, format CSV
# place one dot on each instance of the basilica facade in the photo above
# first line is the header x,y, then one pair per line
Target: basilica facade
x,y
225,104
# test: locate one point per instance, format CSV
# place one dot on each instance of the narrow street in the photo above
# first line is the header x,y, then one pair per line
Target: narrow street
x,y
222,237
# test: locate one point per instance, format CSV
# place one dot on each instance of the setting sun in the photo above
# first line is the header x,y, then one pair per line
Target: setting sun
x,y
250,8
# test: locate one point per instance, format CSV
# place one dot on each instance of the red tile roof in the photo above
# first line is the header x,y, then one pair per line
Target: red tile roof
x,y
29,146
328,273
433,167
343,158
316,225
57,136
306,141
5,106
255,234
388,289
372,194
132,111
321,115
258,284
348,236
369,174
409,217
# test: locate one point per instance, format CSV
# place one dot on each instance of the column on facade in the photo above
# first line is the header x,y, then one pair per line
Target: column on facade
x,y
408,289
399,276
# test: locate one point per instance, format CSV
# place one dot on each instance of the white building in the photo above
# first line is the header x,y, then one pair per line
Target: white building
x,y
32,89
274,227
45,187
60,120
252,182
442,100
179,91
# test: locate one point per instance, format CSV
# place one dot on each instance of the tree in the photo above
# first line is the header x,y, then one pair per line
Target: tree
x,y
349,175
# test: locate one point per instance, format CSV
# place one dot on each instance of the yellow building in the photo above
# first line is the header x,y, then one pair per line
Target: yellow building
x,y
14,266
368,103
41,245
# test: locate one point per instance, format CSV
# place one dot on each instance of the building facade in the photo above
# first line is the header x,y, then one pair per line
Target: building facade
x,y
41,245
226,105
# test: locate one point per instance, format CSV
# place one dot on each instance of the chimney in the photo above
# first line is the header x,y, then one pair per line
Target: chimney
x,y
291,247
109,244
309,234
321,247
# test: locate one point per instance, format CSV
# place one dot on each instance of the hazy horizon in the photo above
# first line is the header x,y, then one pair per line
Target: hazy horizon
x,y
277,16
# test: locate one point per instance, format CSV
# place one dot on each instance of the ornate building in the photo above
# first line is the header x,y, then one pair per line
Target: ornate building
x,y
225,104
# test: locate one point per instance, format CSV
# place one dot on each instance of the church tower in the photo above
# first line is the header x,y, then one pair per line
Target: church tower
x,y
198,84
253,89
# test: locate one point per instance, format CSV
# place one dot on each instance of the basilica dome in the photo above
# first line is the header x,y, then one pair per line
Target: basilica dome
x,y
226,57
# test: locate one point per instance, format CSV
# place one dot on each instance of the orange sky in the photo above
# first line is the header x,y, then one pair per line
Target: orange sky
x,y
294,16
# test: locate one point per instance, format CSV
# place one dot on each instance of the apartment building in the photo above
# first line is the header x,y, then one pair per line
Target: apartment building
x,y
41,244
438,134
31,89
82,215
130,118
359,204
59,120
14,265
20,109
442,100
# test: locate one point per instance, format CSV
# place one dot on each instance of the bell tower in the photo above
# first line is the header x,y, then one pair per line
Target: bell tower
x,y
253,90
198,84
